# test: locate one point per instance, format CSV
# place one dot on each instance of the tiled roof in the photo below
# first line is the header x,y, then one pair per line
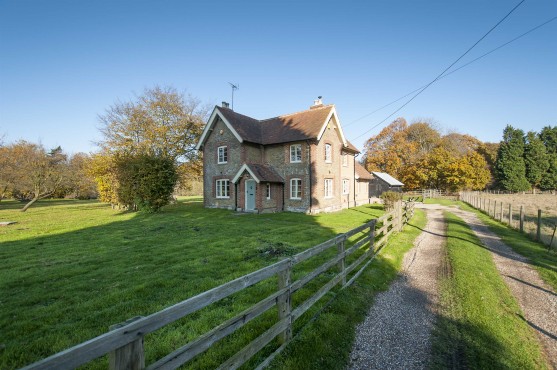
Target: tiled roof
x,y
298,126
362,173
387,178
260,173
265,173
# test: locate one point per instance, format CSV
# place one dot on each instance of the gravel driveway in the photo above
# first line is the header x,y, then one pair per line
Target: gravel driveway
x,y
537,299
396,331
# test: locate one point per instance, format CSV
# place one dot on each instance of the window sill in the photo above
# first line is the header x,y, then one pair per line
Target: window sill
x,y
222,197
295,198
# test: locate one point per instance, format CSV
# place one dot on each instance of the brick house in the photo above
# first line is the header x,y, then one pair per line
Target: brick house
x,y
298,162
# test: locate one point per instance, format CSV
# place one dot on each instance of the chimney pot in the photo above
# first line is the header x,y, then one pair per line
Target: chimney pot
x,y
225,105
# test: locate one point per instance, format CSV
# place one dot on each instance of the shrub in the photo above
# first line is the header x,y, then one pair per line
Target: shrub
x,y
390,198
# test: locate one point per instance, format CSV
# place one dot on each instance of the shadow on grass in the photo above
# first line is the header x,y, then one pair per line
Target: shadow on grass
x,y
59,290
460,345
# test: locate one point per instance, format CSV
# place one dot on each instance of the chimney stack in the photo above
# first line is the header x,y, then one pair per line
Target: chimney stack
x,y
317,103
225,105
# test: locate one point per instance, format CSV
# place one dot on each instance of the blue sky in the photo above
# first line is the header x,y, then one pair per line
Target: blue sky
x,y
62,63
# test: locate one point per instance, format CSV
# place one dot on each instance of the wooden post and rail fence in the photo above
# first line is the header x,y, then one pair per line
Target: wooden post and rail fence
x,y
494,209
124,342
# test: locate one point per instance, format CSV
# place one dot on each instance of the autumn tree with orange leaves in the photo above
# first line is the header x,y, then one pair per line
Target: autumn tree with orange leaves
x,y
420,157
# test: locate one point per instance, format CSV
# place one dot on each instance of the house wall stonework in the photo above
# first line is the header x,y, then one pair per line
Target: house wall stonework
x,y
212,170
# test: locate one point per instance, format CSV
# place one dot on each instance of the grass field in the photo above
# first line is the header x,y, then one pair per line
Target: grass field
x,y
531,203
70,269
479,326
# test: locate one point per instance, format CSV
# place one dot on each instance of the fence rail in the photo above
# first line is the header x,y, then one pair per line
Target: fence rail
x,y
516,216
124,342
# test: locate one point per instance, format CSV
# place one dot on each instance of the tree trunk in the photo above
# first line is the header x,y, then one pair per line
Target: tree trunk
x,y
35,198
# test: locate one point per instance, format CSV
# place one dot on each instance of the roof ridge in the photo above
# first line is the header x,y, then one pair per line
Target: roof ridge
x,y
291,114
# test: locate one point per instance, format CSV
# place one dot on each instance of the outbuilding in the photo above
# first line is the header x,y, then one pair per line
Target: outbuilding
x,y
383,182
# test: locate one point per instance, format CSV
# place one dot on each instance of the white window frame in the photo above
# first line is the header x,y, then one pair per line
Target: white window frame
x,y
328,153
222,189
296,156
296,184
328,188
268,190
222,154
345,186
345,159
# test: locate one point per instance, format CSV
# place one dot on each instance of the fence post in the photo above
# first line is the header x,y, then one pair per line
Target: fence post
x,y
342,262
510,214
501,214
495,210
129,357
372,234
488,206
284,302
539,228
521,222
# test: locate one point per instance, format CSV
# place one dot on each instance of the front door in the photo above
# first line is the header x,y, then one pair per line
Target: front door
x,y
250,195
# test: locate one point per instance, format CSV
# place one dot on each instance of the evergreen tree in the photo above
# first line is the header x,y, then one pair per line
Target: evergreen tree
x,y
535,159
510,168
548,136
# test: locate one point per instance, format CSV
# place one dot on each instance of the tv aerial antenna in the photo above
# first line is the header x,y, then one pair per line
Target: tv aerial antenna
x,y
234,87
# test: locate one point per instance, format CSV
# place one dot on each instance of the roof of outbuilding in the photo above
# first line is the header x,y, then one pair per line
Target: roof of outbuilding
x,y
304,125
387,178
362,173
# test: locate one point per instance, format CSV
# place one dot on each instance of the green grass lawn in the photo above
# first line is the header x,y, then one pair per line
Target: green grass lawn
x,y
70,269
480,324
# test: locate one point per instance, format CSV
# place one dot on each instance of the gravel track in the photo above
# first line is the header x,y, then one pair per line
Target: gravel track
x,y
396,331
537,299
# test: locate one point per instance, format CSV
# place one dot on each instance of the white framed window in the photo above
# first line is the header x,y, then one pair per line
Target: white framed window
x,y
295,188
345,159
222,188
328,188
345,186
222,154
268,191
328,153
295,153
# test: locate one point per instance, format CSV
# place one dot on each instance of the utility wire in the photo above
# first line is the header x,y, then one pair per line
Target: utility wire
x,y
453,71
445,70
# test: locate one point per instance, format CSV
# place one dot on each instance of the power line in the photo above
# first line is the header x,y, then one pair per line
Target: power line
x,y
445,70
455,70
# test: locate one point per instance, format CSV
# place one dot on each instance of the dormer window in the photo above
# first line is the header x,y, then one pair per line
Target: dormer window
x,y
296,153
222,154
328,153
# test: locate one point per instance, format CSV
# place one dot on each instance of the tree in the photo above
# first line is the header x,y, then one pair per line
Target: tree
x,y
8,174
390,151
80,183
38,173
510,167
489,152
536,159
424,134
160,121
103,169
548,135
